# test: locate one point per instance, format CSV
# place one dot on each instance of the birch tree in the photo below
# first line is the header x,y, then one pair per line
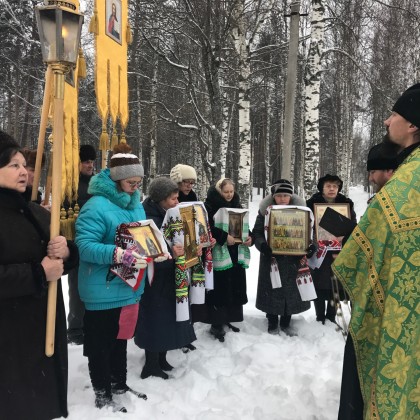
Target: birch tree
x,y
312,97
242,50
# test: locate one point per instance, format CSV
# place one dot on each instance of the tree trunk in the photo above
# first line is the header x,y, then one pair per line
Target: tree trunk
x,y
244,169
312,96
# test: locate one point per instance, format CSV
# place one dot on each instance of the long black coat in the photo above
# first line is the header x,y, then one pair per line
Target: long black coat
x,y
32,385
157,329
229,285
322,275
285,300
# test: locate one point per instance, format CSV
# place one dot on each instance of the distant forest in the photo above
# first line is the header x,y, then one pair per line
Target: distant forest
x,y
207,84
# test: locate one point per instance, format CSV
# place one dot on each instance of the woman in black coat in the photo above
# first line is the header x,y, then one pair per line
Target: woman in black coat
x,y
224,304
157,329
32,385
329,187
283,301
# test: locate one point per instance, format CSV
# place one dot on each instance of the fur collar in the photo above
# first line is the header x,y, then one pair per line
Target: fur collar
x,y
269,201
101,184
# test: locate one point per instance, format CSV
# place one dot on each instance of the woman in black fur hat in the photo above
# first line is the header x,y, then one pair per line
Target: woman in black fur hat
x,y
329,187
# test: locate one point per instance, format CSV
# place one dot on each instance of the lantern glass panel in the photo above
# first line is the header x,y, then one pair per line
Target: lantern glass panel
x,y
59,32
70,34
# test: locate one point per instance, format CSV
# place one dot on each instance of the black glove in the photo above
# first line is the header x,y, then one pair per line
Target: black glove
x,y
310,251
266,250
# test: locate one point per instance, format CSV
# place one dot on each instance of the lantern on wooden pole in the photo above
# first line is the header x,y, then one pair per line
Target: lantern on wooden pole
x,y
59,27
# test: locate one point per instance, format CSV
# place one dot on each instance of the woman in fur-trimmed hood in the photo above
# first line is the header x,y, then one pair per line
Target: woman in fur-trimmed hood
x,y
284,301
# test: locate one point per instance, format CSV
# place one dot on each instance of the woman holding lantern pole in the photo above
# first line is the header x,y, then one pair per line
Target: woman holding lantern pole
x,y
32,385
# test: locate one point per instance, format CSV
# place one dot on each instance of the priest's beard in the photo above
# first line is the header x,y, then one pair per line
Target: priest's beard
x,y
391,148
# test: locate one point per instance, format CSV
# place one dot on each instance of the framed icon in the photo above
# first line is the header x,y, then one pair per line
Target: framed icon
x,y
145,240
319,210
190,244
113,19
235,228
289,231
201,224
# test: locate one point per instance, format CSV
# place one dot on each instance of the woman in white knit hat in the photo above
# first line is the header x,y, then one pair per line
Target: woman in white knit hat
x,y
186,177
111,304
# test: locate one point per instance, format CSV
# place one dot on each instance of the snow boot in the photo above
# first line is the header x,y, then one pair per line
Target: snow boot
x,y
273,324
104,400
233,328
163,363
289,331
218,332
188,347
119,389
152,367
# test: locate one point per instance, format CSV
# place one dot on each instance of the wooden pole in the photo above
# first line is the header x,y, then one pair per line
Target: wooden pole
x,y
58,138
41,134
289,111
103,158
48,182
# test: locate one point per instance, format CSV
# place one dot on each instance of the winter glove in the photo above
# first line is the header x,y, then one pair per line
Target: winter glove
x,y
266,250
310,251
161,258
129,258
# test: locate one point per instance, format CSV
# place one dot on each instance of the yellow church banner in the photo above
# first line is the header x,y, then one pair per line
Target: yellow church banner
x,y
112,36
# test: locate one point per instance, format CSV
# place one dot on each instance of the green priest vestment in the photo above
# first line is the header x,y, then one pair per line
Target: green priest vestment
x,y
379,267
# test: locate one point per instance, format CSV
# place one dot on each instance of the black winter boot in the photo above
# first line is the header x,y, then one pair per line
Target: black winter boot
x,y
218,332
188,347
104,400
152,367
233,328
163,363
119,389
273,324
331,312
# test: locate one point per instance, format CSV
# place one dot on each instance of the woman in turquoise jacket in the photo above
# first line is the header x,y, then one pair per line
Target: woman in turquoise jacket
x,y
111,304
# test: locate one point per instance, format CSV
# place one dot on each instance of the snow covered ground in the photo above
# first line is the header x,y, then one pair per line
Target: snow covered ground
x,y
252,375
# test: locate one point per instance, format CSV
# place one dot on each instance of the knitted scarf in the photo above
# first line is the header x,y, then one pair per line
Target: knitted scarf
x,y
274,272
199,277
221,256
124,239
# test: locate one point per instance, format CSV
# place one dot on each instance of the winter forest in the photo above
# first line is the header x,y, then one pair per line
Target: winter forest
x,y
207,84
